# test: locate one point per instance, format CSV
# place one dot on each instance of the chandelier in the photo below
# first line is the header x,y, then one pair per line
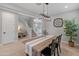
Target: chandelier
x,y
45,12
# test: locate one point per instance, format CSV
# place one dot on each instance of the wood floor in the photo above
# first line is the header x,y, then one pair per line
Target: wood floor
x,y
17,49
69,51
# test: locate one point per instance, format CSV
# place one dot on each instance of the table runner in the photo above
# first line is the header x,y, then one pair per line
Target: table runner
x,y
28,43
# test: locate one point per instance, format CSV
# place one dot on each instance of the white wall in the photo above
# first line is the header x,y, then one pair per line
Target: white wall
x,y
69,15
0,28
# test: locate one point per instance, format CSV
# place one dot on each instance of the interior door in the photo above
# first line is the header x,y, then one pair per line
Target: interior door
x,y
8,27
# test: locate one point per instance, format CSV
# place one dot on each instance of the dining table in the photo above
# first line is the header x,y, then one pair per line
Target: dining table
x,y
34,47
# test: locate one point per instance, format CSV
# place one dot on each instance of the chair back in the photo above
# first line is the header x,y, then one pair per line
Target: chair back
x,y
53,47
59,39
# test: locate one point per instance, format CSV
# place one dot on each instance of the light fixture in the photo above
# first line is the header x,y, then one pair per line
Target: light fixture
x,y
45,11
66,6
19,27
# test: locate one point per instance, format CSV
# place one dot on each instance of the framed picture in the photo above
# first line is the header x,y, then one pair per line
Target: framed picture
x,y
58,22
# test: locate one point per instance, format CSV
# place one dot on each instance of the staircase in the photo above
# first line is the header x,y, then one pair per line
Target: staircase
x,y
29,30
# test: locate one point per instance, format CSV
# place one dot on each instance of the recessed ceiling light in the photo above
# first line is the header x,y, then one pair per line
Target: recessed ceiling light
x,y
66,6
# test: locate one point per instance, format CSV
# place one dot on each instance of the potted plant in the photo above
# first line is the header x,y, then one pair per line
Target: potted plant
x,y
71,31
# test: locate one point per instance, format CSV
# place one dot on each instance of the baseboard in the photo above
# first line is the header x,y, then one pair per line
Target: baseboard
x,y
9,42
67,42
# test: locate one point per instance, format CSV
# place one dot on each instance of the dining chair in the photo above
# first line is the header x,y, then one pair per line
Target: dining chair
x,y
59,42
49,51
53,47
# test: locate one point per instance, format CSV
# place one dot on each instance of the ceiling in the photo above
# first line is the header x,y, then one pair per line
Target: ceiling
x,y
35,9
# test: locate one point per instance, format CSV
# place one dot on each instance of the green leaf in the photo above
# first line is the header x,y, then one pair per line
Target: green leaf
x,y
70,28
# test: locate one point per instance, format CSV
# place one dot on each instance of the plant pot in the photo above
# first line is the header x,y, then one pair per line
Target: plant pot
x,y
71,43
